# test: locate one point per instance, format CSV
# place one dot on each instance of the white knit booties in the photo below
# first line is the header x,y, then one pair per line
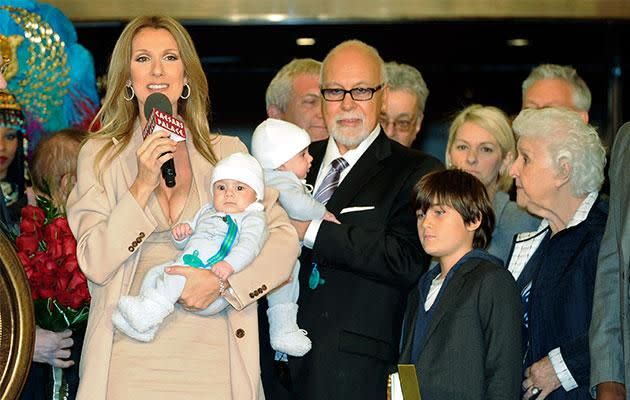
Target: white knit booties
x,y
284,333
146,310
119,322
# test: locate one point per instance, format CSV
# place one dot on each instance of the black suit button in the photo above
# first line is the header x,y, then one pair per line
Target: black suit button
x,y
240,333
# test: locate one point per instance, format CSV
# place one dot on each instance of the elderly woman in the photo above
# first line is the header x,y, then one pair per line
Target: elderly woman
x,y
481,142
122,211
559,171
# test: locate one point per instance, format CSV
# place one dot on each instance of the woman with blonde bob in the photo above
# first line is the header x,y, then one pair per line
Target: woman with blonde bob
x,y
481,142
121,212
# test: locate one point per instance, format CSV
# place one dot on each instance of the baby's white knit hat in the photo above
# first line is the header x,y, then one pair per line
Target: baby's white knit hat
x,y
275,142
243,168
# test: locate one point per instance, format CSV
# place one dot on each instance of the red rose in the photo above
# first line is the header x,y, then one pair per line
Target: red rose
x,y
70,264
78,280
83,293
54,248
51,232
69,246
34,214
27,243
65,299
61,223
47,285
28,226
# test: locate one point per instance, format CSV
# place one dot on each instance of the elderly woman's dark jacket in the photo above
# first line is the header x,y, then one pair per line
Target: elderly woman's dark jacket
x,y
561,298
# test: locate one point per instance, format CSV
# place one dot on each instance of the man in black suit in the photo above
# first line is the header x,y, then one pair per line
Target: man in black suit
x,y
355,276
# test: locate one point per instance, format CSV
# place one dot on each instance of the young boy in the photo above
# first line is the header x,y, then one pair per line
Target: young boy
x,y
282,150
225,236
462,327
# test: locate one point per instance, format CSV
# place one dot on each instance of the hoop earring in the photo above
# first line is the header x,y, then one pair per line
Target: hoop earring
x,y
187,86
128,87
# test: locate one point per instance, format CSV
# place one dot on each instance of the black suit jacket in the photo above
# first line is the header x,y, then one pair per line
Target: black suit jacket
x,y
369,262
472,347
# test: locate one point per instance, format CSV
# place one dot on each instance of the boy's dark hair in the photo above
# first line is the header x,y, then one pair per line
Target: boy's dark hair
x,y
464,193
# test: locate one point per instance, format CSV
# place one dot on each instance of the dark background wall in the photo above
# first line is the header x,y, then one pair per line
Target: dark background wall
x,y
463,62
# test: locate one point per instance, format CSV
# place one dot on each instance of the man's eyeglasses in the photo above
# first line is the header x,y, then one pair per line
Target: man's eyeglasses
x,y
400,125
357,94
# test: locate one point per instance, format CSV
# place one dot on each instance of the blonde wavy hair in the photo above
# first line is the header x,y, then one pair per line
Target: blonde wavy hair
x,y
117,116
495,122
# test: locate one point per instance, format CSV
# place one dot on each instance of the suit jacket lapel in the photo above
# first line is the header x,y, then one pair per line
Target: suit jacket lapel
x,y
129,160
450,297
368,165
201,169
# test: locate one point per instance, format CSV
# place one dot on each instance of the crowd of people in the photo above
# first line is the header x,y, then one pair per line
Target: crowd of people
x,y
311,268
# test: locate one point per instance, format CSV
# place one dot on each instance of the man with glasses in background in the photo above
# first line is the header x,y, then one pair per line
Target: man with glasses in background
x,y
403,111
355,275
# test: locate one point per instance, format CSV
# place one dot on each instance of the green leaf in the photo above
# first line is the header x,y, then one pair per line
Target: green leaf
x,y
52,316
49,208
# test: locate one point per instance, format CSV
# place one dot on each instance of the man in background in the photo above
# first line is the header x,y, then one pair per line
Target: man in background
x,y
403,111
551,85
293,96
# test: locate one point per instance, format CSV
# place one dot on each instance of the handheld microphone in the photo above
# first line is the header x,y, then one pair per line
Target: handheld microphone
x,y
158,110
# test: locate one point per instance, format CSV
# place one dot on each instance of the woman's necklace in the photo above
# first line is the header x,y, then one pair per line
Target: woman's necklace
x,y
9,192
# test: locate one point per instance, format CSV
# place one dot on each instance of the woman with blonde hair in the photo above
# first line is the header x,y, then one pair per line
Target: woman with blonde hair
x,y
481,142
121,212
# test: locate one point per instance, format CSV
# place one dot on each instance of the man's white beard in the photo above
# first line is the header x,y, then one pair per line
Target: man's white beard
x,y
349,141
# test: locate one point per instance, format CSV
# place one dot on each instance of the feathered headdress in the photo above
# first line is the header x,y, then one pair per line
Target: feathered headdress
x,y
50,74
11,115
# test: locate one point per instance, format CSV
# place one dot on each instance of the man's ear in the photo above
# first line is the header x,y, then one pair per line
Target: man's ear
x,y
274,112
473,226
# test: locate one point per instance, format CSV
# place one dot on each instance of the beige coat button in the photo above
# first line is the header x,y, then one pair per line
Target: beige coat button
x,y
240,333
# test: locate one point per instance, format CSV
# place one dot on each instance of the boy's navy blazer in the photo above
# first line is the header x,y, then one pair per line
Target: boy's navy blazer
x,y
368,262
480,305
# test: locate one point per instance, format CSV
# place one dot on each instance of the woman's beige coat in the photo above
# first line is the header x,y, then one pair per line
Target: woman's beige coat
x,y
109,226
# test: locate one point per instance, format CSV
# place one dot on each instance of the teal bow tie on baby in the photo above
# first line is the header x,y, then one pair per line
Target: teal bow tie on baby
x,y
193,260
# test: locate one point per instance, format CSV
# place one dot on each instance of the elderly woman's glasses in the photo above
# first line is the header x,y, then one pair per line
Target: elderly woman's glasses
x,y
357,94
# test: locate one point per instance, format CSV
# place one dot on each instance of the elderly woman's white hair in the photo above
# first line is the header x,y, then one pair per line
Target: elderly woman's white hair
x,y
569,139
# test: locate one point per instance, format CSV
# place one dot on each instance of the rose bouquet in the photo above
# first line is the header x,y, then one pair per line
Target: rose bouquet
x,y
47,250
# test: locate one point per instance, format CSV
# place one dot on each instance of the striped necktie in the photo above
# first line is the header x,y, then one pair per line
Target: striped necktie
x,y
331,180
